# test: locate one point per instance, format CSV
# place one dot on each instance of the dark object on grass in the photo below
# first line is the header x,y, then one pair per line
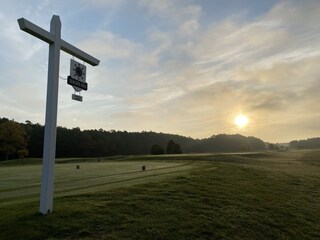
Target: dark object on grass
x,y
143,168
78,166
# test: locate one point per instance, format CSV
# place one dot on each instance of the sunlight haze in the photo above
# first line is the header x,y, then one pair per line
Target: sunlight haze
x,y
241,121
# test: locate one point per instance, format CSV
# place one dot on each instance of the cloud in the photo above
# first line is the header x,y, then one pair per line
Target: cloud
x,y
296,13
104,3
107,45
178,14
259,68
266,68
157,6
179,73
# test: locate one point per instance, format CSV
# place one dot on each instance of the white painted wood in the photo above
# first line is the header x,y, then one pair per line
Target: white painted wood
x,y
68,48
36,31
49,149
55,44
46,36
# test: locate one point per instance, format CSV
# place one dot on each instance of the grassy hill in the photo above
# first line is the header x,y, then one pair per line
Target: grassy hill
x,y
211,196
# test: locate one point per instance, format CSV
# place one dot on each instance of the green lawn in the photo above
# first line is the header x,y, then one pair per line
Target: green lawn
x,y
219,196
22,183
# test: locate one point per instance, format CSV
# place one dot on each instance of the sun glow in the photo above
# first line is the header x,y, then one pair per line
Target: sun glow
x,y
241,121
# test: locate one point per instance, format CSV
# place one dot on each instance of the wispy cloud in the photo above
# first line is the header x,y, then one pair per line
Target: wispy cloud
x,y
179,70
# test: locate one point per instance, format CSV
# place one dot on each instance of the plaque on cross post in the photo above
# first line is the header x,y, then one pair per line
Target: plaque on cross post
x,y
77,78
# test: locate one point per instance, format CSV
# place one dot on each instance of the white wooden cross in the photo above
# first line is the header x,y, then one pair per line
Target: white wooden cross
x,y
55,44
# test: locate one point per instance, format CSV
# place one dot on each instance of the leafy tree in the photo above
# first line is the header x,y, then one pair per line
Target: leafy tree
x,y
13,139
311,143
170,146
3,120
177,149
36,134
173,148
271,146
156,150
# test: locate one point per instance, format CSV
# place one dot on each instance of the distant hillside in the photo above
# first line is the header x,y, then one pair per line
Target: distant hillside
x,y
99,143
228,143
310,143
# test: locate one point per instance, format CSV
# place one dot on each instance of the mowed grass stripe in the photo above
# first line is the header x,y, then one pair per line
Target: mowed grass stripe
x,y
85,188
76,186
132,172
95,178
91,188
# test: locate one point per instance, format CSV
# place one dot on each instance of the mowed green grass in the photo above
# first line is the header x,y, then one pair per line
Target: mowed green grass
x,y
218,196
21,183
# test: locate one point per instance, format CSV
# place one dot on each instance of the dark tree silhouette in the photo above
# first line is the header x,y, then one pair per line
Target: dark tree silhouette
x,y
173,148
13,140
310,143
156,150
101,143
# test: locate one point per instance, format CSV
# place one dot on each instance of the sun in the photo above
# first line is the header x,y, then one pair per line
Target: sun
x,y
241,121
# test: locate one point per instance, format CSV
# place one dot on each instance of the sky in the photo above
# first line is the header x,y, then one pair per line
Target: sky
x,y
187,67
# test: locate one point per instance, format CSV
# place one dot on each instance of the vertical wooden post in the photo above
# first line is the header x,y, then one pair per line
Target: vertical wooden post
x,y
49,150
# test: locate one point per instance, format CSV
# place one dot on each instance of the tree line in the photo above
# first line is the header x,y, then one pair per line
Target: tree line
x,y
310,143
26,139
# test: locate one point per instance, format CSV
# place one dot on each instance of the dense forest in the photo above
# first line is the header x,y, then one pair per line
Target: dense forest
x,y
18,140
310,143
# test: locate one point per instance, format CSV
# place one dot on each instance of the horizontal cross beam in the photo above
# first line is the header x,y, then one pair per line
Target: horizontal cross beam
x,y
46,36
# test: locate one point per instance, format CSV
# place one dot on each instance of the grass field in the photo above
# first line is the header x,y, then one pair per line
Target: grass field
x,y
212,196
